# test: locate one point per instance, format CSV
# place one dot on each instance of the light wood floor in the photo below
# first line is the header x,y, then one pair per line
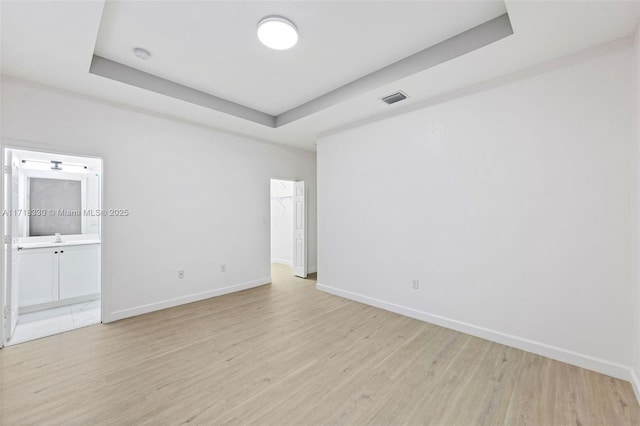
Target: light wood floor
x,y
288,354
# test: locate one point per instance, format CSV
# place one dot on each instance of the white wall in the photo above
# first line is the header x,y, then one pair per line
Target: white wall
x,y
198,198
511,206
282,222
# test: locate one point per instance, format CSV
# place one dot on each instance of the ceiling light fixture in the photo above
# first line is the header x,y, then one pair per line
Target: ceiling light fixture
x,y
277,33
53,165
141,53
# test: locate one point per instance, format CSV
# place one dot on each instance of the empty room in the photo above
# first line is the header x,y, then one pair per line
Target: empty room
x,y
320,212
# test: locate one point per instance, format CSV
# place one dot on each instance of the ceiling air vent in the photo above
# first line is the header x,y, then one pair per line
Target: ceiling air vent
x,y
394,97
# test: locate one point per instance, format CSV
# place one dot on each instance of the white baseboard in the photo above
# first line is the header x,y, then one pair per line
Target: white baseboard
x,y
143,309
310,269
58,303
585,361
281,261
635,384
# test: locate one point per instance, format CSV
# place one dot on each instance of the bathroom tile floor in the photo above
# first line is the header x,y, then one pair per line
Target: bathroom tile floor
x,y
39,324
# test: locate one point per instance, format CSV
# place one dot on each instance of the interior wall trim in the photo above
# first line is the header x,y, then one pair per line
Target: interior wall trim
x,y
482,35
635,384
125,74
451,48
169,303
559,354
285,262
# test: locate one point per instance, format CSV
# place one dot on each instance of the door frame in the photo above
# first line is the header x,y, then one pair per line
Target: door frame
x,y
7,143
306,222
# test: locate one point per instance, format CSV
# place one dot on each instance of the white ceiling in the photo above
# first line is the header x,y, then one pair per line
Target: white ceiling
x,y
215,49
52,43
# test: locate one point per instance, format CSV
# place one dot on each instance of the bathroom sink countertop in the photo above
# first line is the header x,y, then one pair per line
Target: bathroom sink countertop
x,y
54,244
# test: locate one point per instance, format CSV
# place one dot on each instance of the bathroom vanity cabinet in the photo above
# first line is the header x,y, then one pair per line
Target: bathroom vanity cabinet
x,y
58,272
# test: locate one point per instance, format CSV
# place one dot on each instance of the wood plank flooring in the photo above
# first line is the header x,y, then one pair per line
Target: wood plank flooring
x,y
288,354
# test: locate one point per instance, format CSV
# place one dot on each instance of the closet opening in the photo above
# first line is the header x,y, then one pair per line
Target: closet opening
x,y
288,228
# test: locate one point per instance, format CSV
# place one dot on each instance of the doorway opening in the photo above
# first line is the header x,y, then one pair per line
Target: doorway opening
x,y
52,244
288,227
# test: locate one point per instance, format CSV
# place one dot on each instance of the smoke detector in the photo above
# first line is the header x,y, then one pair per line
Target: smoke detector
x,y
141,53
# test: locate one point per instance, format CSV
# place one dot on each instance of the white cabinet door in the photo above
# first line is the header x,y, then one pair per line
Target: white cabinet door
x,y
79,270
38,272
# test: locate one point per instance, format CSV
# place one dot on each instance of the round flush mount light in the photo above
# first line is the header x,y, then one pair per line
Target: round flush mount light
x,y
277,33
141,53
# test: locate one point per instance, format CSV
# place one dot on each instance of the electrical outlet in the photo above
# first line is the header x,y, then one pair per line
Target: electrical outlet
x,y
180,274
415,284
223,268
